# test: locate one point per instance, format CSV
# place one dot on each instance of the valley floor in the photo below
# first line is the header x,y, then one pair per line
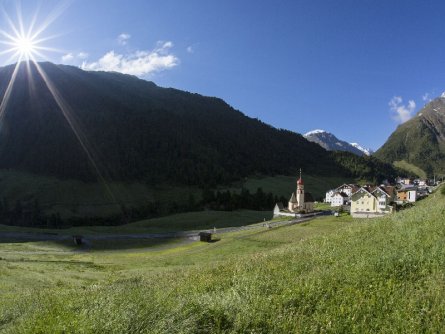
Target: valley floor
x,y
327,275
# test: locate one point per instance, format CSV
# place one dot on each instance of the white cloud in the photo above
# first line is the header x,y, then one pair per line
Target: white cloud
x,y
71,58
67,57
190,49
123,38
426,97
82,55
401,112
139,63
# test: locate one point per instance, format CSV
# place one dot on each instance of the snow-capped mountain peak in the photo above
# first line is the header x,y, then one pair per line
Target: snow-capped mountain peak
x,y
314,132
366,151
331,143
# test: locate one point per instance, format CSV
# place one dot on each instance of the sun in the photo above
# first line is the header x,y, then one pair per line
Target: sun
x,y
25,47
21,39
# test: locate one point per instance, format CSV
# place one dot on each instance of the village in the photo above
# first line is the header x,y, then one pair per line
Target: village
x,y
360,201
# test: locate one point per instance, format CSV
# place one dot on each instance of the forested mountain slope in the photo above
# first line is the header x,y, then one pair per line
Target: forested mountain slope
x,y
137,131
420,141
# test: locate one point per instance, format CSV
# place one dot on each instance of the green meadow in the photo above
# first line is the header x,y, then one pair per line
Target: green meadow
x,y
330,275
283,185
414,170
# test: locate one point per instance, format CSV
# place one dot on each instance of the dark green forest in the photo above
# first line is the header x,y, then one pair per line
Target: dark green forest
x,y
30,213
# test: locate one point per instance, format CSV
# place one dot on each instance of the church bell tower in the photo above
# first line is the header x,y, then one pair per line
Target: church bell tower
x,y
300,192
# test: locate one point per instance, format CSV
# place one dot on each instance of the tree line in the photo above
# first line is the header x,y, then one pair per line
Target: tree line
x,y
31,214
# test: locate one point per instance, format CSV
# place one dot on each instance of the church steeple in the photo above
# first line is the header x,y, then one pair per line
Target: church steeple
x,y
300,191
300,180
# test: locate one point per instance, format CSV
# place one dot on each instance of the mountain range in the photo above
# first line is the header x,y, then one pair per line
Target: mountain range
x,y
420,141
331,143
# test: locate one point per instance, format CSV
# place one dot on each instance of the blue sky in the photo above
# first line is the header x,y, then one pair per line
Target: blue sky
x,y
354,68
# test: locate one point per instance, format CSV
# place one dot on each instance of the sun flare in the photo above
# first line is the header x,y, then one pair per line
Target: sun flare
x,y
25,47
21,37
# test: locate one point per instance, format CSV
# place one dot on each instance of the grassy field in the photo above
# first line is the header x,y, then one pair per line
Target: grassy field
x,y
416,171
333,275
284,185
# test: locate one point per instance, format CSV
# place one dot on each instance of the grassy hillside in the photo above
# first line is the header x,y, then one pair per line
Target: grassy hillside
x,y
284,185
414,170
334,275
419,141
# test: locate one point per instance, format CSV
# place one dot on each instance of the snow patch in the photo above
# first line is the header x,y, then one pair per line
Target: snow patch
x,y
366,151
314,132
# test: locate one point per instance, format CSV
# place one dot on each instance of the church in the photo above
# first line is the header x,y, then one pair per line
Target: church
x,y
300,202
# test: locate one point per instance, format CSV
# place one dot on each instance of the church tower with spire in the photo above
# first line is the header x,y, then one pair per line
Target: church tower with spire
x,y
300,192
300,203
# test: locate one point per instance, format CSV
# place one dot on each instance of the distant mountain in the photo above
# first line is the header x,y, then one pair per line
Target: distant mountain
x,y
331,143
366,151
420,141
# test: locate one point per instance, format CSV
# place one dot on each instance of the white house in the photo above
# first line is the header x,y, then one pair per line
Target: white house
x,y
347,189
329,194
339,199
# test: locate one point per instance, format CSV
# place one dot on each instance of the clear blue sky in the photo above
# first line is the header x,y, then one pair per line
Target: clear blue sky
x,y
298,65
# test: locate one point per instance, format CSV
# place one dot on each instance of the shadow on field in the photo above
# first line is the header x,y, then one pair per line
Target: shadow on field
x,y
92,243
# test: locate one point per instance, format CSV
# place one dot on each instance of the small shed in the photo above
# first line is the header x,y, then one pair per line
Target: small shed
x,y
205,236
77,239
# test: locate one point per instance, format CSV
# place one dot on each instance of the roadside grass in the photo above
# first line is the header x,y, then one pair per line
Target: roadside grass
x,y
322,206
332,275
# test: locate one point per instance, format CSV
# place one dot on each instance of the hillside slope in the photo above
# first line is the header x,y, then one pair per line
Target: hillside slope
x,y
420,141
135,130
383,275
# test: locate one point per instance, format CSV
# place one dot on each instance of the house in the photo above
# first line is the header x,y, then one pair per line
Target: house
x,y
329,194
406,194
405,181
347,189
371,201
339,199
300,202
